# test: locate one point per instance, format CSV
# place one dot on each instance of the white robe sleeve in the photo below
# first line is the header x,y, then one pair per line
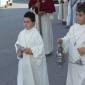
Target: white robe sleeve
x,y
18,42
66,40
38,48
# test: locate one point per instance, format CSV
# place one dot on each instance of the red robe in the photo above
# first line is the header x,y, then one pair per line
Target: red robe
x,y
46,6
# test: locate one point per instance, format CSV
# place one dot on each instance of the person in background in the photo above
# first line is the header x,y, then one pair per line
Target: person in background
x,y
63,9
44,10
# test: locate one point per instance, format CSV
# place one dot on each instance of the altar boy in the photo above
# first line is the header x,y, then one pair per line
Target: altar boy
x,y
74,44
32,67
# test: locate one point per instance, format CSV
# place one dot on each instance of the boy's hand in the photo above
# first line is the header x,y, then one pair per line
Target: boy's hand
x,y
59,41
19,53
28,51
81,51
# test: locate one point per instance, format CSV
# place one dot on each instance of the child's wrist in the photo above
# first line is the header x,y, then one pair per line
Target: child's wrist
x,y
28,51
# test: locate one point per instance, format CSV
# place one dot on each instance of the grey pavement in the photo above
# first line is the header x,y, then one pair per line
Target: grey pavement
x,y
11,22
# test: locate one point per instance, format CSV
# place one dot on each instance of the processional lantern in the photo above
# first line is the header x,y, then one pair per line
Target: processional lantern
x,y
60,55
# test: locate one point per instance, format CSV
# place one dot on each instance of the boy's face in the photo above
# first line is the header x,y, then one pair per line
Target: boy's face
x,y
80,18
28,23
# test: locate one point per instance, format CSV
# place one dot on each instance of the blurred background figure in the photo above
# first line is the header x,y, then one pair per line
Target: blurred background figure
x,y
43,10
63,8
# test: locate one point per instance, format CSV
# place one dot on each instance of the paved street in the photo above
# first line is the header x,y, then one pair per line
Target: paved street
x,y
11,20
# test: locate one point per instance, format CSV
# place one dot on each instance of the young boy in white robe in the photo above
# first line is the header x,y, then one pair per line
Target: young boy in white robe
x,y
32,67
74,44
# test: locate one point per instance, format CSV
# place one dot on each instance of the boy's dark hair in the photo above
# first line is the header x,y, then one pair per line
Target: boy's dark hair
x,y
80,7
30,15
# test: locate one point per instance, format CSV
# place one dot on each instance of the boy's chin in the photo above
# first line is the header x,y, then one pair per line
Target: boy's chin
x,y
80,23
27,28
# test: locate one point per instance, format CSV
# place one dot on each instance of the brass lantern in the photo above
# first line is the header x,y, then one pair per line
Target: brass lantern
x,y
60,54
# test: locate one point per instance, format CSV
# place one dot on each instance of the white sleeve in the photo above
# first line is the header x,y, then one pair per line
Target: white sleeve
x,y
66,40
17,42
38,48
